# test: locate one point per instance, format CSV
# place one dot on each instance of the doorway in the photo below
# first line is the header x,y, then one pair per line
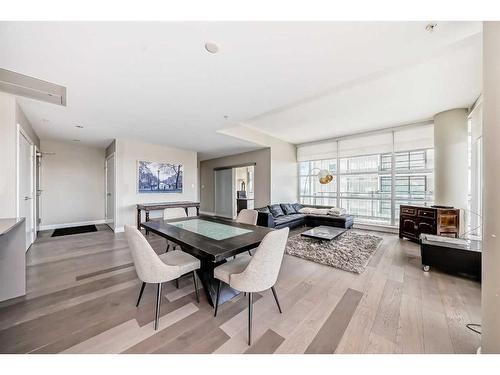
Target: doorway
x,y
244,181
224,192
110,191
25,184
234,189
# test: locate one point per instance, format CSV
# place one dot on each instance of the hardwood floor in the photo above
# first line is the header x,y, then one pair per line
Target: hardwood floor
x,y
82,291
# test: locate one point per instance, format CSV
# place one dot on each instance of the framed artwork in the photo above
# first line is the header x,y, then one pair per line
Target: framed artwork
x,y
153,177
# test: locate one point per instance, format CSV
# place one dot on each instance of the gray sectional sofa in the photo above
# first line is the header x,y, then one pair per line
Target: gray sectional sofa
x,y
286,215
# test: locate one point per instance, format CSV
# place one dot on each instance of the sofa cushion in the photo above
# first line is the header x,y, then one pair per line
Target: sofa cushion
x,y
287,209
264,209
276,210
284,219
297,207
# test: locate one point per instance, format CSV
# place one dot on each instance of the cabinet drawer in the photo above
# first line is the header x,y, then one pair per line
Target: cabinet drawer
x,y
410,211
431,214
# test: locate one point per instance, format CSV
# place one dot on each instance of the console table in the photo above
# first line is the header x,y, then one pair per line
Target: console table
x,y
147,207
417,220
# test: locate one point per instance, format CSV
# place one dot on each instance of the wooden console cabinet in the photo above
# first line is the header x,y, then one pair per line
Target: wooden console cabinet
x,y
415,220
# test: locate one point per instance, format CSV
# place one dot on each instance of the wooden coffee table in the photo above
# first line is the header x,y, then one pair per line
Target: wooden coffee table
x,y
324,232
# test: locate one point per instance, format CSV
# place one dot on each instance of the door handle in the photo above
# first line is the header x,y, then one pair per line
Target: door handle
x,y
27,198
109,194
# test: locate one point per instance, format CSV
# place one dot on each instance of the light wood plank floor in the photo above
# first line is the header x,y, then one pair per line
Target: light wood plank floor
x,y
82,291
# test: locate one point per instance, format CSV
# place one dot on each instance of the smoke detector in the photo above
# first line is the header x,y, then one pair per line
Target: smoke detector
x,y
211,47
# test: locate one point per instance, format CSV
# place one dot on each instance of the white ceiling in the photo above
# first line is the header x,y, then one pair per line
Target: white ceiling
x,y
297,81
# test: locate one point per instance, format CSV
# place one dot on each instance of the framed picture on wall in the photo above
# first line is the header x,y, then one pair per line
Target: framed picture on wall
x,y
154,177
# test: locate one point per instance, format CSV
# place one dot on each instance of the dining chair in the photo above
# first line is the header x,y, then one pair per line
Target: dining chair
x,y
253,274
173,213
152,268
246,216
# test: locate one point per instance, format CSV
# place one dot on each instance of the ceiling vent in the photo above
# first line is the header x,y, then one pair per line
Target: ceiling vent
x,y
21,85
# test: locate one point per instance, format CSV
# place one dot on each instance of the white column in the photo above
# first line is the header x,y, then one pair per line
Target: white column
x,y
450,153
491,189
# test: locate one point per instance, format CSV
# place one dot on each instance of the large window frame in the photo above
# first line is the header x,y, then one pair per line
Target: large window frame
x,y
403,177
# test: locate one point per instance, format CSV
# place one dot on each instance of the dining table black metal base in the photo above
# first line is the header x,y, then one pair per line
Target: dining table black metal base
x,y
206,275
211,252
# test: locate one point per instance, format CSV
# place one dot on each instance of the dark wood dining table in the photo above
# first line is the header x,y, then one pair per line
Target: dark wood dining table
x,y
211,252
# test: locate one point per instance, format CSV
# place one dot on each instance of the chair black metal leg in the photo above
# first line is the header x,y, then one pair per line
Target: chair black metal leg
x,y
217,298
168,247
158,303
196,288
140,294
250,313
249,253
177,283
276,299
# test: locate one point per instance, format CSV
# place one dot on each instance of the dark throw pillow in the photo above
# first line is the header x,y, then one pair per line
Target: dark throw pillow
x,y
264,210
276,210
288,209
297,207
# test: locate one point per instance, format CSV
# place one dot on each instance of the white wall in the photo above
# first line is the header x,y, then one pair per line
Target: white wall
x,y
128,153
284,179
7,156
490,338
72,183
10,116
450,158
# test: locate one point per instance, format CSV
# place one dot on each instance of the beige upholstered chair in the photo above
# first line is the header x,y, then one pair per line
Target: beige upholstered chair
x,y
255,273
155,269
173,213
247,217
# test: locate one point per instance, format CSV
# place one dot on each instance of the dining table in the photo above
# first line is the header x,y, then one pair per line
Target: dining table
x,y
212,240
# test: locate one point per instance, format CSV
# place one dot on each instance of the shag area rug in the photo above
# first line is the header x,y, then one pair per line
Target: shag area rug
x,y
350,251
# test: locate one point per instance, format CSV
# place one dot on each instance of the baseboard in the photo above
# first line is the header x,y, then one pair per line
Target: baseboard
x,y
378,228
207,213
67,225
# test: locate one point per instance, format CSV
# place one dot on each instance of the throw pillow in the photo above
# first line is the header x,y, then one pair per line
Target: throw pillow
x,y
320,211
276,210
337,211
288,209
297,207
264,210
305,210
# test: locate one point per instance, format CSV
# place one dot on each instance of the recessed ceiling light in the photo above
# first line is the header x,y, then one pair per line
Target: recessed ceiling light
x,y
76,140
79,126
431,27
211,47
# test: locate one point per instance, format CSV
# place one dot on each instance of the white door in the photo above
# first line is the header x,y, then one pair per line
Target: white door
x,y
224,193
25,187
110,191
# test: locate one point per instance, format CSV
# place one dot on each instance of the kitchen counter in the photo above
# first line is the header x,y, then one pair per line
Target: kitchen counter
x,y
12,258
6,225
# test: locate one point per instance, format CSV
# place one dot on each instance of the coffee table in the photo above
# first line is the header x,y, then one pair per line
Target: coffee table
x,y
324,232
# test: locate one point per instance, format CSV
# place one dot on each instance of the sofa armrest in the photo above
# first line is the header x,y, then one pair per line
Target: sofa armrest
x,y
265,219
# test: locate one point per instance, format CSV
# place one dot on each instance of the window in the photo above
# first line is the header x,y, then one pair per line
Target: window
x,y
373,175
